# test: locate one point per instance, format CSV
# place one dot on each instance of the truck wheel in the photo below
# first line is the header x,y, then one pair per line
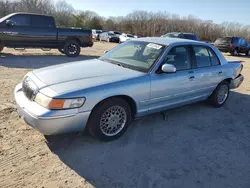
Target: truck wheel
x,y
248,53
61,50
110,119
220,95
72,48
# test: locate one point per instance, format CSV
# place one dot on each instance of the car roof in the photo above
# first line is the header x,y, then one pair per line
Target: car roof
x,y
27,13
166,41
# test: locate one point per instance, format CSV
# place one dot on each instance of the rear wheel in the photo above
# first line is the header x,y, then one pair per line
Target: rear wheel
x,y
72,48
110,119
235,52
220,95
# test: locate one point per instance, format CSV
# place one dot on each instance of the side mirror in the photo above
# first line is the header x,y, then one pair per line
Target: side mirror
x,y
168,68
106,51
9,23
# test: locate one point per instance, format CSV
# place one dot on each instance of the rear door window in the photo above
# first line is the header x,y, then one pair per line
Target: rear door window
x,y
202,56
42,21
21,20
205,57
223,41
213,57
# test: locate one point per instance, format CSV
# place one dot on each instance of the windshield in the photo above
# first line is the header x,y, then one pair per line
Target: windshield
x,y
137,55
225,40
172,35
111,34
5,17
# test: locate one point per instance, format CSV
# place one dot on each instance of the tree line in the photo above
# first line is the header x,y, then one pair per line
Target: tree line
x,y
142,23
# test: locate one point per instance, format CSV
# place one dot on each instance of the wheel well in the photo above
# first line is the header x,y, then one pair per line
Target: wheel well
x,y
73,38
228,80
128,99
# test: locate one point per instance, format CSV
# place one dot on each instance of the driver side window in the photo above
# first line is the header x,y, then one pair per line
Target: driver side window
x,y
21,20
179,57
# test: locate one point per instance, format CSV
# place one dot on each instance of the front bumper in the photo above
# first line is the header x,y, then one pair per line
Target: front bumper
x,y
46,121
235,83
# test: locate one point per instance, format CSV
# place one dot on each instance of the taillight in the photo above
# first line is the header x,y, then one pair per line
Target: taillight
x,y
90,36
231,45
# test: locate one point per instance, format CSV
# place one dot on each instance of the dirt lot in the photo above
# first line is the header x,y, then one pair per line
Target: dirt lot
x,y
198,146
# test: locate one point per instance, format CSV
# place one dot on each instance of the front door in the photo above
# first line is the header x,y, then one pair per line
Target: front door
x,y
16,35
169,90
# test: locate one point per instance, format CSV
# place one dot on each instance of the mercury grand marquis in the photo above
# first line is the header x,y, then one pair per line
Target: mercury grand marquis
x,y
134,79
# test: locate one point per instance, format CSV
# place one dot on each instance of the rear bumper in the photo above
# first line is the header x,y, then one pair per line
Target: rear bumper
x,y
46,121
89,44
236,82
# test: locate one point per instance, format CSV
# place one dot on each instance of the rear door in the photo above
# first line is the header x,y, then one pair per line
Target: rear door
x,y
243,46
43,31
208,72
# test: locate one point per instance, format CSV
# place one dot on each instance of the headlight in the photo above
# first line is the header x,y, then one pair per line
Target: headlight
x,y
56,104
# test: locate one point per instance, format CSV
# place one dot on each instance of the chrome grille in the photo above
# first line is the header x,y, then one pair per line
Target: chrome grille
x,y
29,88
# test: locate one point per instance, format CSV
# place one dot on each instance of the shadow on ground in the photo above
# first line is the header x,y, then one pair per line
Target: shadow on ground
x,y
197,146
37,61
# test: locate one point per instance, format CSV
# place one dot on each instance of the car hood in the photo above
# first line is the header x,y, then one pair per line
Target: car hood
x,y
82,74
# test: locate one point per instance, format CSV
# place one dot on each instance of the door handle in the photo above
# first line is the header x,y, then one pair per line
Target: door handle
x,y
191,77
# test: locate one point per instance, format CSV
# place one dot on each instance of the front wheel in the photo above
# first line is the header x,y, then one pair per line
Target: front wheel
x,y
110,119
220,95
72,48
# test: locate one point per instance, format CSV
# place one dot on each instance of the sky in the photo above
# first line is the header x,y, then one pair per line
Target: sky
x,y
216,10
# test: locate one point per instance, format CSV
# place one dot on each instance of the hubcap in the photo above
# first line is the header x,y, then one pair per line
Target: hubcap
x,y
222,94
113,120
72,49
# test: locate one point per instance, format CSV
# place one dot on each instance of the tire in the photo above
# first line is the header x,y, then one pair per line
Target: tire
x,y
103,113
61,50
1,47
248,53
235,52
222,89
72,48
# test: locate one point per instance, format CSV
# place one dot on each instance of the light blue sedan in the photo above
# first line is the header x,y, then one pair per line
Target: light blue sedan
x,y
136,78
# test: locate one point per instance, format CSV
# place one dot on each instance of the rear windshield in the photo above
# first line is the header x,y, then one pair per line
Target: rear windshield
x,y
190,36
225,40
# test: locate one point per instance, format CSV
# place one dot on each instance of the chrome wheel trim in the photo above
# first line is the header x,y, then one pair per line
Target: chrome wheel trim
x,y
113,120
72,48
222,94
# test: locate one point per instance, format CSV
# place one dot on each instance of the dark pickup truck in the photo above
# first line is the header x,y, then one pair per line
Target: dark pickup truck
x,y
25,30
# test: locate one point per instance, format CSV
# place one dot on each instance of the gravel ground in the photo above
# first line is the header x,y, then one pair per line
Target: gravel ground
x,y
197,146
